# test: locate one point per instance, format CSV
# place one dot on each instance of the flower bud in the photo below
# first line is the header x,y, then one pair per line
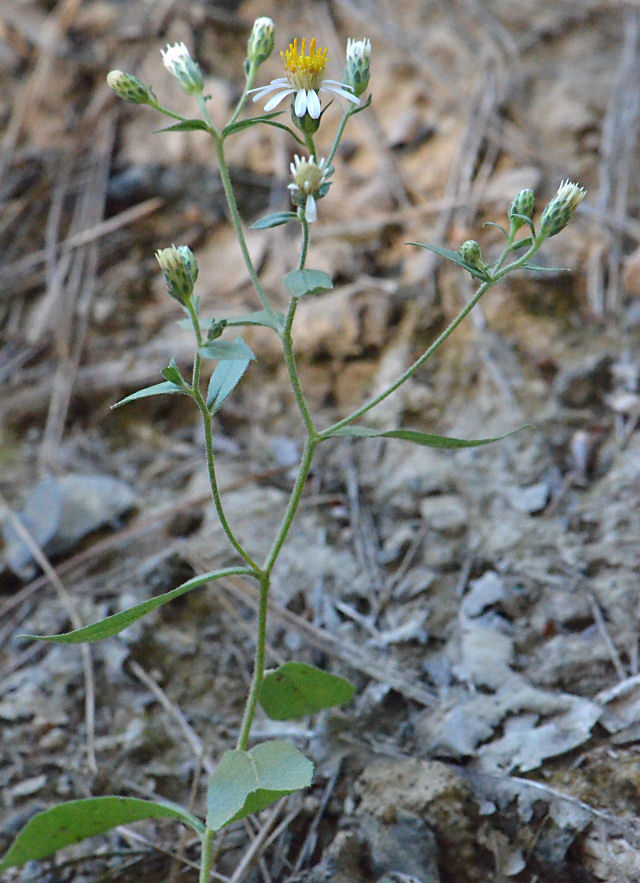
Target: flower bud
x,y
561,209
471,254
128,87
356,75
260,45
523,204
180,270
216,328
189,261
178,62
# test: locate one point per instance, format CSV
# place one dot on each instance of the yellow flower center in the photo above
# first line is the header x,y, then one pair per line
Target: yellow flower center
x,y
305,71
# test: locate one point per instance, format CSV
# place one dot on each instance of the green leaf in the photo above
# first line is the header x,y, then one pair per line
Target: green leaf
x,y
267,119
187,126
362,106
546,269
248,781
521,243
455,257
301,282
172,374
274,220
111,625
224,380
273,320
420,438
499,226
71,822
296,689
157,389
224,349
251,121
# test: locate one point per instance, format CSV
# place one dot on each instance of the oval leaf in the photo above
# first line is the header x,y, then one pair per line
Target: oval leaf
x,y
421,438
274,220
248,781
224,380
301,282
296,689
71,822
158,389
224,349
111,625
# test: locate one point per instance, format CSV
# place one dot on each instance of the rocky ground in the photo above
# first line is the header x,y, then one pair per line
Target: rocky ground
x,y
484,601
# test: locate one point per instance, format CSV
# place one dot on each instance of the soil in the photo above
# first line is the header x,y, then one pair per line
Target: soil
x,y
483,601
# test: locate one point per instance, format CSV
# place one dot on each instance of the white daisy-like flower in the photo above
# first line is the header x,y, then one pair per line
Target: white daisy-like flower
x,y
305,79
178,61
310,182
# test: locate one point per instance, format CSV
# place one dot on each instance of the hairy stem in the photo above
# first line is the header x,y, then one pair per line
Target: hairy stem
x,y
464,312
237,223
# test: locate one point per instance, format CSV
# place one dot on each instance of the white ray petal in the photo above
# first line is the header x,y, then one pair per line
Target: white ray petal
x,y
313,104
277,98
310,209
300,107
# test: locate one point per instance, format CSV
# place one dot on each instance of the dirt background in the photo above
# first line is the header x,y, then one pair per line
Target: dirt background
x,y
485,602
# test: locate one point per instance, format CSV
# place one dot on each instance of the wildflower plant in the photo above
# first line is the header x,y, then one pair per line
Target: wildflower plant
x,y
248,779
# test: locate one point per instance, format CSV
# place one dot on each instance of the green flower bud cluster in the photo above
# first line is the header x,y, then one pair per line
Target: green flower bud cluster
x,y
180,270
561,209
178,62
356,74
260,45
128,87
522,205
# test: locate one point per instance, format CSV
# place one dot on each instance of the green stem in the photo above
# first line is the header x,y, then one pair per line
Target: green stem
x,y
311,147
197,361
207,855
258,666
294,378
294,500
251,75
211,466
265,582
305,239
165,110
464,312
339,134
237,223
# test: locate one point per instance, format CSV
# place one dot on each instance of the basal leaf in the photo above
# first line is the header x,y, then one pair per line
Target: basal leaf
x,y
301,282
296,689
420,438
274,220
71,822
248,781
111,625
225,349
158,389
